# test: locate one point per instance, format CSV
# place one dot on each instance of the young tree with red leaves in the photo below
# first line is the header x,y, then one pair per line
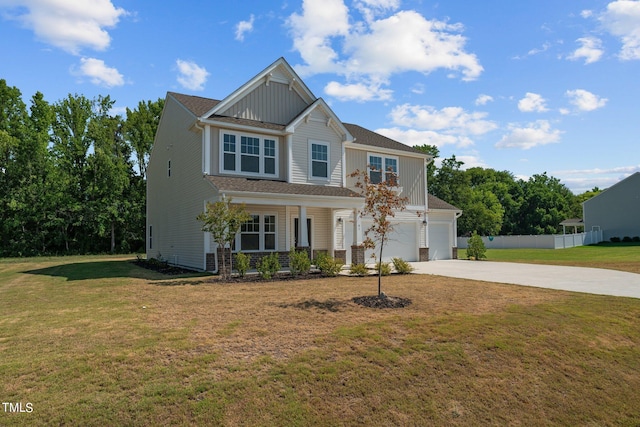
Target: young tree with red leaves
x,y
381,202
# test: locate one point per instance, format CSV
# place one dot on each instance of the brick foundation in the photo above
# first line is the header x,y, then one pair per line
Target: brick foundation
x,y
423,254
357,254
254,257
340,255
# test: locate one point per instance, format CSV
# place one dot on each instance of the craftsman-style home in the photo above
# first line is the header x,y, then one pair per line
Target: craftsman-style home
x,y
281,151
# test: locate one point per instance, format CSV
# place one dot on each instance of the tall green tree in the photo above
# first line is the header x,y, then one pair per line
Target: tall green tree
x,y
140,130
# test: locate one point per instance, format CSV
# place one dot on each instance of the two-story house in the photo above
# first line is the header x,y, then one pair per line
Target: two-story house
x,y
281,151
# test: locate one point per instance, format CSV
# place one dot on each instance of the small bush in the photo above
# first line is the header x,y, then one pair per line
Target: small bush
x,y
614,240
327,265
627,239
242,263
402,266
268,266
299,262
384,268
636,238
476,248
359,270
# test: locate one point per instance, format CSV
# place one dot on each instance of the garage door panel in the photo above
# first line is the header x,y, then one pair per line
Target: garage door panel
x,y
439,241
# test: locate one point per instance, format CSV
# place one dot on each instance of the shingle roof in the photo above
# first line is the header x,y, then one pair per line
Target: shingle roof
x,y
367,137
227,183
196,104
436,203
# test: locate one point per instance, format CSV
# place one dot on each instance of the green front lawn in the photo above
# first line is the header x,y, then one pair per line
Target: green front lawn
x,y
99,341
616,256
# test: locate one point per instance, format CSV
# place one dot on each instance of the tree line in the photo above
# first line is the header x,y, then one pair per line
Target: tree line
x,y
72,175
496,203
73,180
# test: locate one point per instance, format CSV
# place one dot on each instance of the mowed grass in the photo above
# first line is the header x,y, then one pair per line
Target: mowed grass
x,y
615,256
99,341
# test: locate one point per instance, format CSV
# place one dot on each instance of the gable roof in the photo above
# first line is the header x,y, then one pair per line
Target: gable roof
x,y
439,204
366,137
265,76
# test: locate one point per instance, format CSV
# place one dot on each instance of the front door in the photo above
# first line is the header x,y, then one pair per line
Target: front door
x,y
296,230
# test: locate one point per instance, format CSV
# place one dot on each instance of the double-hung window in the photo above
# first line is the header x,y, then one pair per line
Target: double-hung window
x,y
248,155
257,234
383,168
319,160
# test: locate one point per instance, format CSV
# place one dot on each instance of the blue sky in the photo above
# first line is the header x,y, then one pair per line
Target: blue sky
x,y
525,86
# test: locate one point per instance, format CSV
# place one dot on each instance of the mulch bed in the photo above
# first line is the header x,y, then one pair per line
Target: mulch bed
x,y
383,301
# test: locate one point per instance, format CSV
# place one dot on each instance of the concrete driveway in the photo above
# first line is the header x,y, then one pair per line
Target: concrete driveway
x,y
576,279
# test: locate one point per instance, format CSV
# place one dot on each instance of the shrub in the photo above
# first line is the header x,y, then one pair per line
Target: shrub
x,y
636,238
359,270
626,239
327,265
299,262
476,248
402,266
614,240
384,268
268,265
242,263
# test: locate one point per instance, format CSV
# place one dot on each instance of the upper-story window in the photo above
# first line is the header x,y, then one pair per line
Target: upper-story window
x,y
318,160
383,168
253,155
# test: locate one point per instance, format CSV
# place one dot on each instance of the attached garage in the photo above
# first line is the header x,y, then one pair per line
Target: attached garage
x,y
401,244
439,240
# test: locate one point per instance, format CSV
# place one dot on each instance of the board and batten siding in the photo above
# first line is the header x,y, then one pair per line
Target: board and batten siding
x,y
316,129
411,174
274,103
173,202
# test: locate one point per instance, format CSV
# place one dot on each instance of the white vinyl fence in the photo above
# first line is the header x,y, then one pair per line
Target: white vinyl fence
x,y
545,241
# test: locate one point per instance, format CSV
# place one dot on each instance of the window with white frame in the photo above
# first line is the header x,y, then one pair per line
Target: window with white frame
x,y
383,168
319,160
248,155
257,234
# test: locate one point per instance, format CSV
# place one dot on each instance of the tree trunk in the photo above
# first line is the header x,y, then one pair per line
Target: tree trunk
x,y
113,236
380,269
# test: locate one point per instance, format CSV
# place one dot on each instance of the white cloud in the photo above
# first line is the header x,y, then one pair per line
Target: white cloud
x,y
591,50
483,99
330,39
581,180
67,24
191,75
244,27
586,13
532,135
357,92
532,103
622,19
99,73
419,137
584,100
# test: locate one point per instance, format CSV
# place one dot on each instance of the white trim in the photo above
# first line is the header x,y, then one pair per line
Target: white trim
x,y
312,177
261,233
393,152
207,150
238,154
383,158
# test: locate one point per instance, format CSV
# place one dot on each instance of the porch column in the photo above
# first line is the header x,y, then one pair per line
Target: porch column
x,y
303,236
357,250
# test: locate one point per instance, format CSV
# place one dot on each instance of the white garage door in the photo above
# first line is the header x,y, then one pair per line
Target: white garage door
x,y
401,244
439,241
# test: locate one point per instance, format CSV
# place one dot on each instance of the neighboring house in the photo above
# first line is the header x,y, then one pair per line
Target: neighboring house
x,y
281,151
615,211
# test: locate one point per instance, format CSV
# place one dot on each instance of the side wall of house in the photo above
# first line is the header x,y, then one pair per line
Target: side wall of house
x,y
617,210
411,173
176,190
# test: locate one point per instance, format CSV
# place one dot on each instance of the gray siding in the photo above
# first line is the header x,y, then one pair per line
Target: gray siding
x,y
274,103
174,202
316,129
616,210
411,173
